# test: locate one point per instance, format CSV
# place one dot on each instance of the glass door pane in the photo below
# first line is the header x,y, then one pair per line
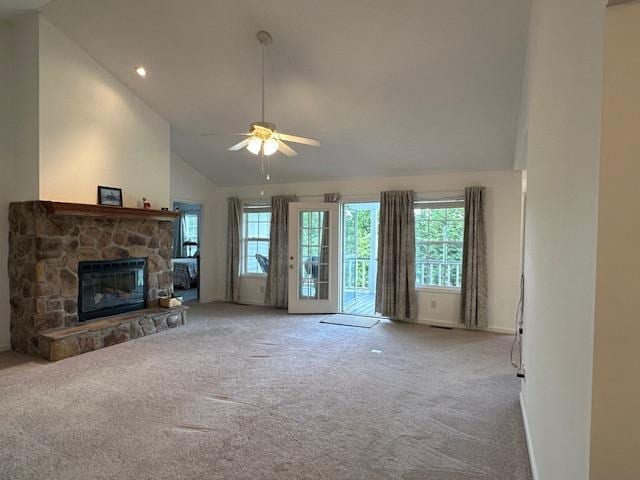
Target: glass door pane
x,y
313,252
359,257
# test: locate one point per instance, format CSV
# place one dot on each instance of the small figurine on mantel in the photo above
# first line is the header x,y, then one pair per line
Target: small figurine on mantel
x,y
146,203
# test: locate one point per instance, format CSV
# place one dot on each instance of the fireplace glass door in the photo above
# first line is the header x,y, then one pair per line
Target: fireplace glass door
x,y
110,287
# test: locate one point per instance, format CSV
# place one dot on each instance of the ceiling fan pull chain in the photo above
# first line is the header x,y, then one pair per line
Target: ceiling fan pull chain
x,y
268,168
262,173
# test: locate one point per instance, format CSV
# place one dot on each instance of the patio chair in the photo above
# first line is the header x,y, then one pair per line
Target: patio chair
x,y
263,262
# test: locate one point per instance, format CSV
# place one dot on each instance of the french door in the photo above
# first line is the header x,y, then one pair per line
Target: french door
x,y
313,258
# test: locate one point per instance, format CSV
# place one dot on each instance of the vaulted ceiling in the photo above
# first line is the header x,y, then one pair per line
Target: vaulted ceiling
x,y
390,87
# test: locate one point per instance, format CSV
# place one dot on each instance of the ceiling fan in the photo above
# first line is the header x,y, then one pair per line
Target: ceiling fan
x,y
263,137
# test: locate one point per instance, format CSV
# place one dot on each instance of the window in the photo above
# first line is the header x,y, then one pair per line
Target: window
x,y
190,233
255,238
439,240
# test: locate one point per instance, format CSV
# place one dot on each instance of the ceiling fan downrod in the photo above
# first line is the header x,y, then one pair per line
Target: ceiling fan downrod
x,y
265,39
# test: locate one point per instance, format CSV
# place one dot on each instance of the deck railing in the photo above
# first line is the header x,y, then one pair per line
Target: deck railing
x,y
359,274
438,273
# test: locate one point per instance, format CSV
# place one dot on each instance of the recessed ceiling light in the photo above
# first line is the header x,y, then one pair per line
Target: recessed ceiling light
x,y
140,70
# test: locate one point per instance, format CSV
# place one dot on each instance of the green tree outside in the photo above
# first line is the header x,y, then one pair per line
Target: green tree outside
x,y
439,237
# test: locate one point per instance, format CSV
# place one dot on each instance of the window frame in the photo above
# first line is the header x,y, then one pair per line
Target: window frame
x,y
188,217
245,239
455,202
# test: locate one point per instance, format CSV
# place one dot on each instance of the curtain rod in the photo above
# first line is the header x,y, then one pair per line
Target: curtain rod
x,y
612,3
457,193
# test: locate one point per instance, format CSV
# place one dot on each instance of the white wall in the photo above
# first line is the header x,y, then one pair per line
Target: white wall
x,y
7,159
25,107
503,232
615,424
18,136
189,185
94,131
565,84
67,126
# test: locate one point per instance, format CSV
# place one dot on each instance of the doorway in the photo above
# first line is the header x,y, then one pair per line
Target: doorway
x,y
186,250
359,257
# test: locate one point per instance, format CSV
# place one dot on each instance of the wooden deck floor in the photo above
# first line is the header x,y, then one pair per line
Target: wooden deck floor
x,y
363,304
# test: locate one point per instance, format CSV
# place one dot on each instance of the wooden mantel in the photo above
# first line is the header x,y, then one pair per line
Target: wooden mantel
x,y
86,210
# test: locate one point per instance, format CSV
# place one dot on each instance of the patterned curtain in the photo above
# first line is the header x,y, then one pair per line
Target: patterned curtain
x,y
276,294
232,293
473,309
331,197
396,278
323,292
178,236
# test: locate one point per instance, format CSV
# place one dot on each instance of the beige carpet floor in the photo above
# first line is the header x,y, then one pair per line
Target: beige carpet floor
x,y
251,393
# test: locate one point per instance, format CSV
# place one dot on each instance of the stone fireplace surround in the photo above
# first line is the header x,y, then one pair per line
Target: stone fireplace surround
x,y
47,240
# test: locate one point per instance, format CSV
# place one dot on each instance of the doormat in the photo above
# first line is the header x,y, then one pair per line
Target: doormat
x,y
351,321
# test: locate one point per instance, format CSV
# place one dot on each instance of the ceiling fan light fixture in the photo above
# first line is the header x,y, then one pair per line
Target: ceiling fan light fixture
x,y
263,138
270,146
254,146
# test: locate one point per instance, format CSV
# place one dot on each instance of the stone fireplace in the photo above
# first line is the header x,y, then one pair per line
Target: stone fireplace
x,y
83,276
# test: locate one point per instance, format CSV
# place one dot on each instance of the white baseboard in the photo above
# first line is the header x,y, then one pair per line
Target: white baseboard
x,y
254,302
5,348
259,302
527,434
211,299
440,323
242,301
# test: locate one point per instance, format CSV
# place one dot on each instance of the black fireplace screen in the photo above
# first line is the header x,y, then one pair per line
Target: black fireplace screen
x,y
109,287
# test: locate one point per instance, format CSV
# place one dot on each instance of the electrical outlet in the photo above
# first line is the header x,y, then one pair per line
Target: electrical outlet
x,y
522,372
433,304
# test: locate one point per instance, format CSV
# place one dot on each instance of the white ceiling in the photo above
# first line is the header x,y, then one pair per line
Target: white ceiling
x,y
9,8
390,87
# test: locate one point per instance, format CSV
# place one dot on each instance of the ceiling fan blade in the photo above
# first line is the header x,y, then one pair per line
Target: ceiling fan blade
x,y
227,134
240,146
286,149
295,139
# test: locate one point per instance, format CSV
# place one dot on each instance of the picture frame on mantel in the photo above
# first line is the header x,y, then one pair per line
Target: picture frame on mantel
x,y
109,196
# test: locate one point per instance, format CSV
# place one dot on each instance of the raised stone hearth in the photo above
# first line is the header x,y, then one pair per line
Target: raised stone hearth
x,y
62,343
46,243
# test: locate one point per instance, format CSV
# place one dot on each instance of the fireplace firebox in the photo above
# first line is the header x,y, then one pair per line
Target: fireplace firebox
x,y
109,287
